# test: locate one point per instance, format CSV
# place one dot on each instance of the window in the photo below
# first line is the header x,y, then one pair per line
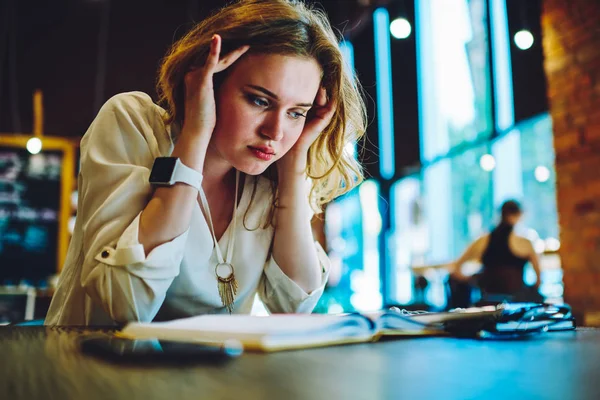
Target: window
x,y
352,228
408,242
539,181
454,81
471,197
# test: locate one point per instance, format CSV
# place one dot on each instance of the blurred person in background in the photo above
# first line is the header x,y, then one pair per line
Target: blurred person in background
x,y
503,255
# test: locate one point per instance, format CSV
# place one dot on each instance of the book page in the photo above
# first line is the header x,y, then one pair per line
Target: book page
x,y
268,325
270,333
288,330
388,320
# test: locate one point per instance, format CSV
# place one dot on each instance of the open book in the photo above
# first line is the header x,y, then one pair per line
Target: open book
x,y
294,331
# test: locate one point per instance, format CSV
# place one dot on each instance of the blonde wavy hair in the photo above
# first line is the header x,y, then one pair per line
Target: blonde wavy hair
x,y
286,27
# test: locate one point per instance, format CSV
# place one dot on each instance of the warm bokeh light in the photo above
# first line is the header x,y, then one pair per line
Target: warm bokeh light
x,y
335,309
552,244
350,149
487,162
34,145
523,39
542,174
400,28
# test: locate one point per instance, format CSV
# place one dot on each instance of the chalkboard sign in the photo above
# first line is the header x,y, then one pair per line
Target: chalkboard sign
x,y
30,213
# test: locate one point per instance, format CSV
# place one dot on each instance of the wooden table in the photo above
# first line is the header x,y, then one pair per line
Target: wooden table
x,y
45,363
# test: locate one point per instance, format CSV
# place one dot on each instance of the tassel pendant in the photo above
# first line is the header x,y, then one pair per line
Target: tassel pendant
x,y
227,284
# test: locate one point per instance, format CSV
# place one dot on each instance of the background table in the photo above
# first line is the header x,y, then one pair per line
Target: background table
x,y
45,363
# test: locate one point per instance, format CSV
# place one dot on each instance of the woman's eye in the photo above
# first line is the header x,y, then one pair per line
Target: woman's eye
x,y
259,101
296,115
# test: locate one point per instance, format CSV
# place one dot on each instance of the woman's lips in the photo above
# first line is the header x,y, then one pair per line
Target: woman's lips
x,y
261,153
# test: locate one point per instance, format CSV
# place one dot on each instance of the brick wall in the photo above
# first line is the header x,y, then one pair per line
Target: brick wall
x,y
571,41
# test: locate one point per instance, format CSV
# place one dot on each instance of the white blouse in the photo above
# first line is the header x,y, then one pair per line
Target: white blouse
x,y
107,278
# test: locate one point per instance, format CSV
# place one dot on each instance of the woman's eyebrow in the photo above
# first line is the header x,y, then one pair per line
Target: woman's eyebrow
x,y
274,96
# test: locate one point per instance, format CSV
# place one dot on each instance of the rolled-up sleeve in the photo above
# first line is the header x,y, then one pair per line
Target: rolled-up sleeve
x,y
280,294
117,153
129,253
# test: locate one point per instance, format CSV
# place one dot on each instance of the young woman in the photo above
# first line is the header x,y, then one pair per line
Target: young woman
x,y
196,206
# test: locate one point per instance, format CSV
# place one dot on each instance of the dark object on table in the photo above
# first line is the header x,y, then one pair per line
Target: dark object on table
x,y
126,350
514,320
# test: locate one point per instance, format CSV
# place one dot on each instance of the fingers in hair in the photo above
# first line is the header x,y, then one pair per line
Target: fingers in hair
x,y
232,57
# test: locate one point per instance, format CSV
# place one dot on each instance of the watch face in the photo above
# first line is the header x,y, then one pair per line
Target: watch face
x,y
162,170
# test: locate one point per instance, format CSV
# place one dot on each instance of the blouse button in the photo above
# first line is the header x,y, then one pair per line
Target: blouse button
x,y
105,254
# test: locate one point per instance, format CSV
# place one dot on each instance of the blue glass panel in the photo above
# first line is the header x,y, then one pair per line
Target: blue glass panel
x,y
453,74
352,227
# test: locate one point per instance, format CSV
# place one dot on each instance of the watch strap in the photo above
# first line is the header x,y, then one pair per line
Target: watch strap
x,y
184,174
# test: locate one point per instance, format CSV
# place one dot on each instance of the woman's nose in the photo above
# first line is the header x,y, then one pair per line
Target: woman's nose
x,y
272,126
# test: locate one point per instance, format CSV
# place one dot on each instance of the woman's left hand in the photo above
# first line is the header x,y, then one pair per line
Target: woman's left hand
x,y
318,118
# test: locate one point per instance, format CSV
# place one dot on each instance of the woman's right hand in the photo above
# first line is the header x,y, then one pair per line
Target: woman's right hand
x,y
200,111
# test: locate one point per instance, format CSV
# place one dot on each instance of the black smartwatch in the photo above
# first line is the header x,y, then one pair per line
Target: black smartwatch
x,y
167,171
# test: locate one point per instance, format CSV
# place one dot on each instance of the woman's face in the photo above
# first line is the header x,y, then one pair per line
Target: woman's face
x,y
261,109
